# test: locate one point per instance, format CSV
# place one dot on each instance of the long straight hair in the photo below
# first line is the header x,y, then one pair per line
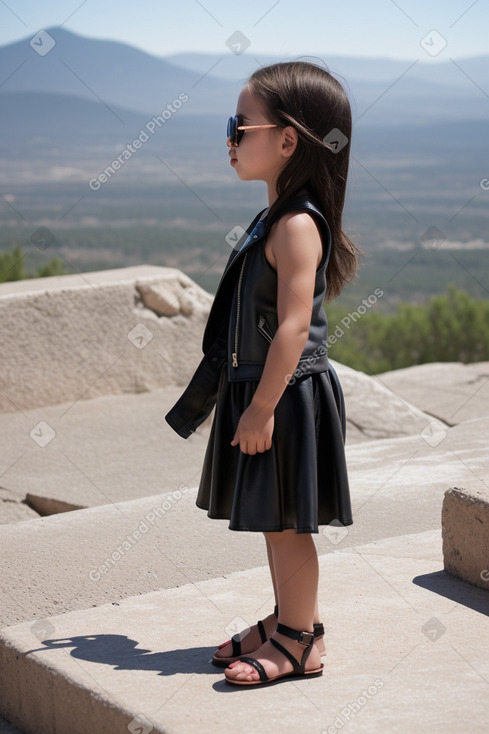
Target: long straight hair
x,y
310,99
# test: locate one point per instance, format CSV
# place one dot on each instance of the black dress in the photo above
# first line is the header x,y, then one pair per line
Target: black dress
x,y
301,482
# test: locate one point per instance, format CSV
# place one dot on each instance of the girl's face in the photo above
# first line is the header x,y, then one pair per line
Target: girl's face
x,y
259,155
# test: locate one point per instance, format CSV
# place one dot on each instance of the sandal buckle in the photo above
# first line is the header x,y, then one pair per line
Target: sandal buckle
x,y
303,636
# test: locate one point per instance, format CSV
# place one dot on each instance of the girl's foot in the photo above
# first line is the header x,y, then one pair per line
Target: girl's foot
x,y
319,643
253,638
273,661
251,641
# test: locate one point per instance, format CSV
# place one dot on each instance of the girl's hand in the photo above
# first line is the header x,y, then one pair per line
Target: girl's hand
x,y
254,431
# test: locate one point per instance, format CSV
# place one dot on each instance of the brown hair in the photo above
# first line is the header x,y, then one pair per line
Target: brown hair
x,y
310,99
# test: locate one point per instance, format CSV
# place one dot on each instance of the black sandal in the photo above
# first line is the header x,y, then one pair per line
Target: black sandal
x,y
299,671
222,662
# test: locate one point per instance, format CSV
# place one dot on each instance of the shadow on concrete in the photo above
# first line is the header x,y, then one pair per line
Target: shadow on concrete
x,y
443,583
121,652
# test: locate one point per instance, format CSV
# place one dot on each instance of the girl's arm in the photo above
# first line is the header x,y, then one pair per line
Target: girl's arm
x,y
294,248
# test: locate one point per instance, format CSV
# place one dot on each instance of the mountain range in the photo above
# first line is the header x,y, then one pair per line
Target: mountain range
x,y
70,105
383,91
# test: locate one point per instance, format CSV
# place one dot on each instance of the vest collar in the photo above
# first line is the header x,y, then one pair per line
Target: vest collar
x,y
256,233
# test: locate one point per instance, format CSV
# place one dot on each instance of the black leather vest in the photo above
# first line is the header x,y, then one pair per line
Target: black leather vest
x,y
245,305
243,321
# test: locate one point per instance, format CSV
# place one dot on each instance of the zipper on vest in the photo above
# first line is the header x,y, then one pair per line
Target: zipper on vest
x,y
238,309
262,329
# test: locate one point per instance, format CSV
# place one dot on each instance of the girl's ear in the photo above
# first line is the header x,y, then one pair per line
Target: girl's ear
x,y
289,141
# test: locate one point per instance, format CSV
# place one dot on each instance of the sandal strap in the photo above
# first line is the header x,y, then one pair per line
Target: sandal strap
x,y
235,639
318,626
256,665
303,637
298,667
318,629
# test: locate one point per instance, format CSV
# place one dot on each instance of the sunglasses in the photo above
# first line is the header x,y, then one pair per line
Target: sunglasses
x,y
236,131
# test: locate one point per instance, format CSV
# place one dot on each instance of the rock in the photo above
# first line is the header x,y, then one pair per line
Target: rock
x,y
373,410
465,532
172,295
451,391
13,508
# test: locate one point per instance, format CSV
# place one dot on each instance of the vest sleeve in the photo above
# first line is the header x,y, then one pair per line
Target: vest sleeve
x,y
200,395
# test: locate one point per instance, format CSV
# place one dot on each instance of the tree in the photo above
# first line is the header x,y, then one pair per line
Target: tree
x,y
53,267
12,267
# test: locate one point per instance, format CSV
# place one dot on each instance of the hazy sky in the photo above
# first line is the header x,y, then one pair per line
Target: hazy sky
x,y
383,28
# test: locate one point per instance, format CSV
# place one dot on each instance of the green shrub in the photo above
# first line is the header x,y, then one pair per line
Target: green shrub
x,y
451,328
12,267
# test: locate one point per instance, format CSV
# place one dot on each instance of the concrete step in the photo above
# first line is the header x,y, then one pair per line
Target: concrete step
x,y
403,641
83,558
90,452
113,448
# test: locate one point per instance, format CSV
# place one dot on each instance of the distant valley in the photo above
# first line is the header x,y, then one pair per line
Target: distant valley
x,y
419,153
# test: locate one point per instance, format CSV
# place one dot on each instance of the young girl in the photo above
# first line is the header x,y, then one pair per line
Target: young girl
x,y
275,460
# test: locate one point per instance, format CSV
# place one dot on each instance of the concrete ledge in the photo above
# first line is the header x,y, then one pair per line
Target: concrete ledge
x,y
47,506
394,638
14,508
73,337
465,526
397,488
90,452
83,558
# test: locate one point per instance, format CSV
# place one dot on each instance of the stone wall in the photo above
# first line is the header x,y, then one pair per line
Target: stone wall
x,y
74,337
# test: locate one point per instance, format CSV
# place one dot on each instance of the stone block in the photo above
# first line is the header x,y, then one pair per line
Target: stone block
x,y
73,337
465,532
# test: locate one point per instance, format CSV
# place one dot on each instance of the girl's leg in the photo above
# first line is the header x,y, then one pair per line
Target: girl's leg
x,y
272,570
319,641
252,640
296,572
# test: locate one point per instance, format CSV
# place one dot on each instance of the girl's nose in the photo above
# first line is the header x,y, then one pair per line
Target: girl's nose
x,y
230,143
